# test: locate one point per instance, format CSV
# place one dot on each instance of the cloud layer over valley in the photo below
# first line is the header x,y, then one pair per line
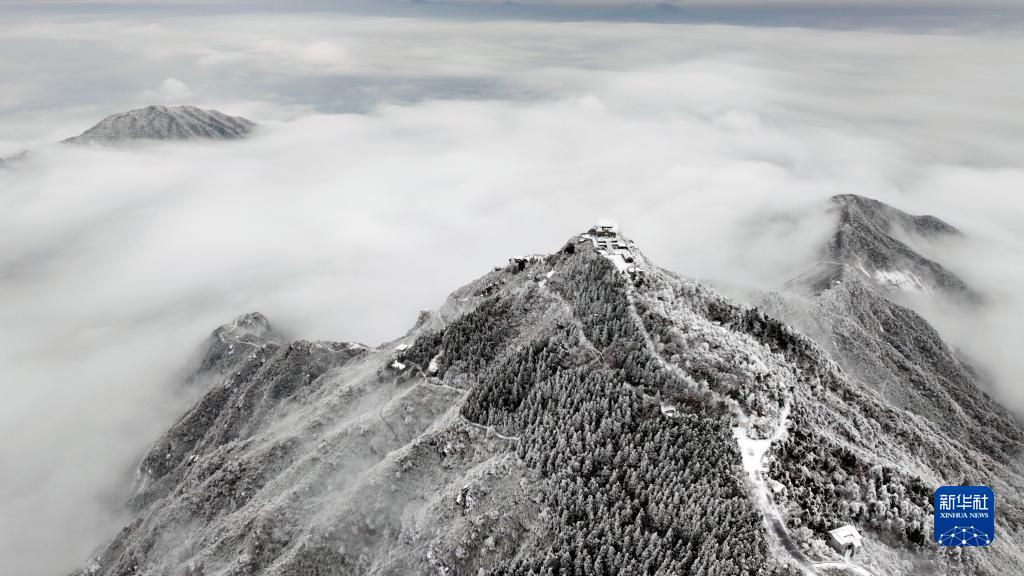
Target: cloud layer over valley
x,y
398,158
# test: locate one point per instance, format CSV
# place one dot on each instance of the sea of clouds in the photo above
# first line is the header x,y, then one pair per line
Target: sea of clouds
x,y
399,158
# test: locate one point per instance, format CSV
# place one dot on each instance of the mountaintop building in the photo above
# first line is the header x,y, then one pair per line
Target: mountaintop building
x,y
605,227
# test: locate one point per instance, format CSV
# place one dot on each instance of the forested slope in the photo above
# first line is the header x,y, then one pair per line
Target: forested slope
x,y
568,414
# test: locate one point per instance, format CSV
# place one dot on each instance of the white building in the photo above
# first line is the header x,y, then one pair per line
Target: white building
x,y
605,227
845,540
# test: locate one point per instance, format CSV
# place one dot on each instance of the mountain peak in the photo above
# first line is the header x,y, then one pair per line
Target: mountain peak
x,y
558,403
869,244
165,123
887,218
251,325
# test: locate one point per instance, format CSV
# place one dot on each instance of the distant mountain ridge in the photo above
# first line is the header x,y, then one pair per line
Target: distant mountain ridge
x,y
172,123
165,123
866,244
850,306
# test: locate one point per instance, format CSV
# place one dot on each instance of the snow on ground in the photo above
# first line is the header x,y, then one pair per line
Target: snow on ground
x,y
901,279
850,567
547,277
753,452
615,248
897,279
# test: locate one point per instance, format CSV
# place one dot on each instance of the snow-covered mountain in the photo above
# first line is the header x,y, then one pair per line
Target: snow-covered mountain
x,y
165,123
156,123
870,243
584,412
857,317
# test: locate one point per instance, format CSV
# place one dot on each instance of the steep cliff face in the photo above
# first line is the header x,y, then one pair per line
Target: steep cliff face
x,y
581,413
165,123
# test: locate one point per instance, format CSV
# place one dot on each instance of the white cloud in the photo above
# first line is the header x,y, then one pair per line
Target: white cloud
x,y
174,89
476,141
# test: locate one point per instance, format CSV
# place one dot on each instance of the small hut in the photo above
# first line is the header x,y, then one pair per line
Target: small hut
x,y
845,540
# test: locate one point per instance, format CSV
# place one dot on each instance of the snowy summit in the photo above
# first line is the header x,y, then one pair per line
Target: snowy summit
x,y
166,123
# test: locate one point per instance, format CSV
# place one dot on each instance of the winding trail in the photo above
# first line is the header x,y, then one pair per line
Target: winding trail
x,y
752,453
752,456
